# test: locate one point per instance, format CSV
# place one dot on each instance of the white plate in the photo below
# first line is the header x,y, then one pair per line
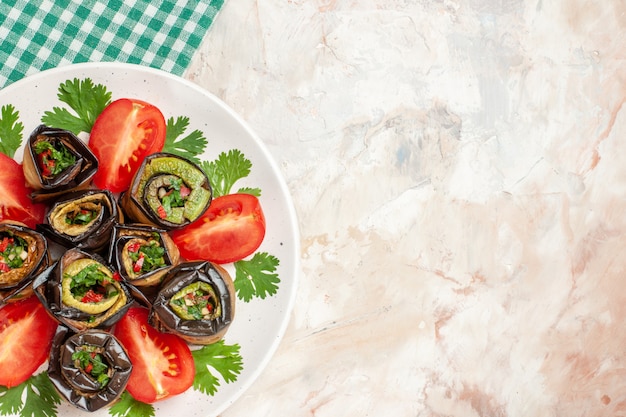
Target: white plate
x,y
259,324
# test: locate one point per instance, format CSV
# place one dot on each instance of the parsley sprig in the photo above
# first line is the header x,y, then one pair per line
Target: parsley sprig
x,y
85,98
256,277
189,146
10,130
212,361
127,406
35,397
226,170
86,279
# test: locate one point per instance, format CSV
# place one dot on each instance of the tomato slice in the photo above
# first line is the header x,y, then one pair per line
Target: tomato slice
x,y
26,332
162,363
15,203
124,133
232,228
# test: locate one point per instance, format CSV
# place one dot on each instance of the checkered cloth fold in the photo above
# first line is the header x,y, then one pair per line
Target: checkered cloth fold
x,y
39,34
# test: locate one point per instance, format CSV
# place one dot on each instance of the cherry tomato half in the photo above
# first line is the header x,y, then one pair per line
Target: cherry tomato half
x,y
124,133
232,228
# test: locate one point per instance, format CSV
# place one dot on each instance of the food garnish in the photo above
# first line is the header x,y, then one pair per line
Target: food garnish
x,y
85,98
10,130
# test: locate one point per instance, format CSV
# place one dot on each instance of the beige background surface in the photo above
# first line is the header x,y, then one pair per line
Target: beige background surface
x,y
457,168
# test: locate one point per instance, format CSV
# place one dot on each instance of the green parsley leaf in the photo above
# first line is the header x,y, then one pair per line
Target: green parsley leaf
x,y
85,98
189,146
219,357
247,190
127,406
226,170
11,399
10,130
256,277
36,397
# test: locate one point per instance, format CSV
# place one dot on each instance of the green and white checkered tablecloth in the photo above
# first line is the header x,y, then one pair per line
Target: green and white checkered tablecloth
x,y
39,34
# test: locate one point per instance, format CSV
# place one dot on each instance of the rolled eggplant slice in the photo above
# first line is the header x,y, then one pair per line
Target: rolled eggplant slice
x,y
167,191
196,302
23,254
56,161
82,219
82,292
142,254
90,369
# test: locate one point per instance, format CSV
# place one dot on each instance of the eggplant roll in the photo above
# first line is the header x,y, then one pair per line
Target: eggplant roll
x,y
82,219
167,191
142,254
56,161
82,292
196,302
23,255
90,369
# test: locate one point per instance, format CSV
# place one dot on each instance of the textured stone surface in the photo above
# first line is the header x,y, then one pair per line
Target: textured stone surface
x,y
456,167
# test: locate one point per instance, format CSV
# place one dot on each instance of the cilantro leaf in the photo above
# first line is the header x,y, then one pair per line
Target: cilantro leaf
x,y
226,170
10,130
247,190
85,98
11,399
256,277
189,146
219,357
36,397
127,406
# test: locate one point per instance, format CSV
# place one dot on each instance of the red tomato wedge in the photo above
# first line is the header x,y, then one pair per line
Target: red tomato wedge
x,y
124,133
232,228
162,363
26,332
15,203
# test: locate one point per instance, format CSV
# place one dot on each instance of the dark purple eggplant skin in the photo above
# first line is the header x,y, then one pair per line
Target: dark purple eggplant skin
x,y
48,288
97,237
18,290
76,177
122,233
73,384
199,332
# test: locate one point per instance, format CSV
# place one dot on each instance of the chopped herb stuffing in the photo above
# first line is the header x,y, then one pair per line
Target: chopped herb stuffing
x,y
13,252
81,217
91,285
53,157
89,359
196,302
147,257
173,195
